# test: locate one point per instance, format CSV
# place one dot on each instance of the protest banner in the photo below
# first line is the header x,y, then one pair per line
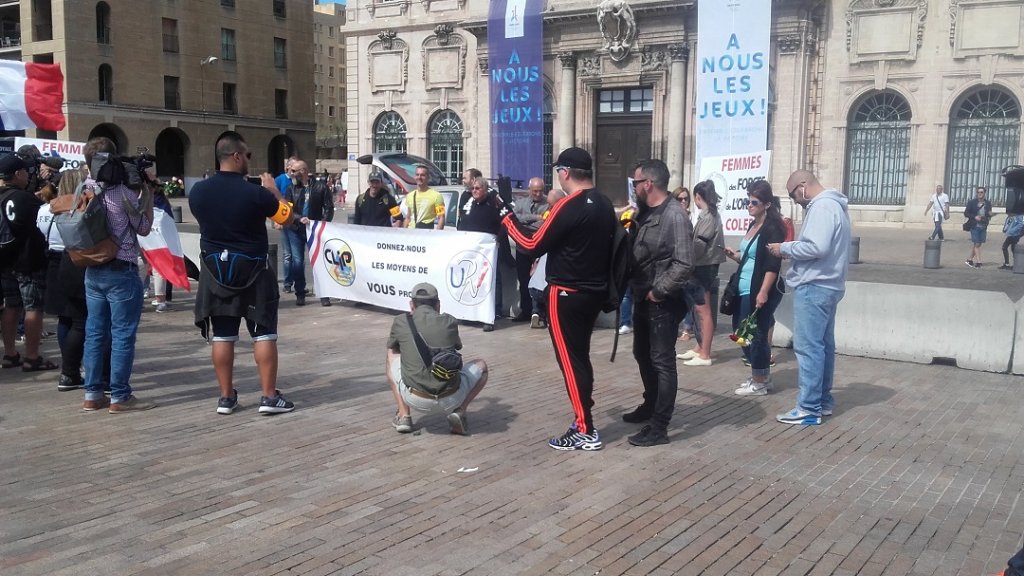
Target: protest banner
x,y
731,174
515,38
71,152
380,266
733,44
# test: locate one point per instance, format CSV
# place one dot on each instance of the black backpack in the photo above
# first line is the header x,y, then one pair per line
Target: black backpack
x,y
620,269
10,245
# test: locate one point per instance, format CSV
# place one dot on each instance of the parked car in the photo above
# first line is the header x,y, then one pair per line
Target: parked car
x,y
397,170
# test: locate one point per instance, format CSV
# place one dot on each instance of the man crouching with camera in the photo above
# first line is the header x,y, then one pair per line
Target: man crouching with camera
x,y
424,368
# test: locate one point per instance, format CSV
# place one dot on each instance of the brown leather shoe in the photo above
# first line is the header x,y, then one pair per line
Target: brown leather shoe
x,y
132,404
94,405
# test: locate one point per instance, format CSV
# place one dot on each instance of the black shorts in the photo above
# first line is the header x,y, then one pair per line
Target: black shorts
x,y
22,290
707,277
225,329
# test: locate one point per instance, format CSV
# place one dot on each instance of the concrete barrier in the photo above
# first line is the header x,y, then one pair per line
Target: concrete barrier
x,y
919,324
1018,341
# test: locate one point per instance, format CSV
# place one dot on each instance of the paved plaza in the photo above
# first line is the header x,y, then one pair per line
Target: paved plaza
x,y
919,471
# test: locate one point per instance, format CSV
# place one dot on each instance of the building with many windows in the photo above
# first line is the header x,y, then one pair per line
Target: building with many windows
x,y
330,90
171,76
884,99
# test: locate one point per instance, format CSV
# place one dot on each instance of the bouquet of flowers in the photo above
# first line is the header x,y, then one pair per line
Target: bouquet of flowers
x,y
744,334
174,187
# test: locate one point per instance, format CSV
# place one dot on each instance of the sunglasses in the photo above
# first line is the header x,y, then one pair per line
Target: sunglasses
x,y
755,202
559,168
641,181
684,198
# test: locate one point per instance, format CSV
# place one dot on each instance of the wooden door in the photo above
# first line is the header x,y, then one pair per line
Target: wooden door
x,y
621,143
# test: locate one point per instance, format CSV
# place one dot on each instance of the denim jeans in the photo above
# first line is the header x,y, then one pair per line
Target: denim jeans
x,y
937,232
626,309
654,347
814,343
114,299
759,352
295,258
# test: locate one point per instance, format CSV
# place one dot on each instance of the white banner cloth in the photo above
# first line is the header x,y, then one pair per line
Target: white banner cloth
x,y
380,266
731,174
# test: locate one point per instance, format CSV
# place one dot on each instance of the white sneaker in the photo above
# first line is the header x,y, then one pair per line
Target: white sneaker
x,y
751,388
625,329
163,307
698,361
687,355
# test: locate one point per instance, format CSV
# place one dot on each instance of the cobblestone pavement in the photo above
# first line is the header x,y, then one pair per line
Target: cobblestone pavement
x,y
919,471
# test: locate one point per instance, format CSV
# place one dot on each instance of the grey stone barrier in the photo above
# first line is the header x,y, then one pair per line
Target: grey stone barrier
x,y
975,329
932,253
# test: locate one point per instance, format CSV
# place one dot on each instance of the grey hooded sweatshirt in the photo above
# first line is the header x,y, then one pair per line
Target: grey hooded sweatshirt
x,y
820,255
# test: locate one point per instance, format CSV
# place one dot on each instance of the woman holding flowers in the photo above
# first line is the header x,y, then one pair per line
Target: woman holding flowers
x,y
760,288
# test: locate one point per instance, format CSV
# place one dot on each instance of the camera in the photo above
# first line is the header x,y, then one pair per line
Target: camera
x,y
127,170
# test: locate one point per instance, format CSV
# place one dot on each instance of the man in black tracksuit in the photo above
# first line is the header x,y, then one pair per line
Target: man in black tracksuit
x,y
577,237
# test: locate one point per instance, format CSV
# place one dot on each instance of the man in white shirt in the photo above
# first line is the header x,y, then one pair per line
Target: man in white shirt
x,y
939,205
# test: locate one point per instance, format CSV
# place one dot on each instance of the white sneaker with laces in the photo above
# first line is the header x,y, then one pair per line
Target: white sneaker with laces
x,y
751,388
625,329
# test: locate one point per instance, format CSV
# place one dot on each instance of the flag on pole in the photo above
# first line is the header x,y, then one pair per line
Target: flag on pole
x,y
162,249
31,96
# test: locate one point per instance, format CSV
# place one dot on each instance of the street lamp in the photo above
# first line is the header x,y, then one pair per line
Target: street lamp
x,y
202,80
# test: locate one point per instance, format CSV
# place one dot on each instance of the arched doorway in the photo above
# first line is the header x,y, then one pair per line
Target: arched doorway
x,y
279,149
878,150
171,148
984,138
114,132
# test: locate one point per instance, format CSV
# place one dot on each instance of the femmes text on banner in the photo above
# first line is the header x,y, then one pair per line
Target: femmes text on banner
x,y
380,266
731,175
515,41
733,44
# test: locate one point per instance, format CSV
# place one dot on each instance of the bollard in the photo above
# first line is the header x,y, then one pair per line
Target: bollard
x,y
855,250
1018,259
272,258
176,211
932,251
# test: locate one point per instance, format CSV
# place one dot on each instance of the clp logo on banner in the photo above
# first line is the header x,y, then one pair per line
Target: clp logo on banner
x,y
469,277
340,261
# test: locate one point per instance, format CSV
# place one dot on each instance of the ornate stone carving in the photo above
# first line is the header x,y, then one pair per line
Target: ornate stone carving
x,y
444,58
443,32
953,10
426,4
399,6
617,24
652,59
568,59
589,66
481,62
920,8
868,18
389,62
387,38
789,44
677,52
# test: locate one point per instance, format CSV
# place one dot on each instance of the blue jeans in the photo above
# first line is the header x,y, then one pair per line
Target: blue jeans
x,y
937,232
113,295
626,309
295,258
814,342
759,352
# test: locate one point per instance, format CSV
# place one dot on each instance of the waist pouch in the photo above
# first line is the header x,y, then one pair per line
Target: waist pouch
x,y
233,269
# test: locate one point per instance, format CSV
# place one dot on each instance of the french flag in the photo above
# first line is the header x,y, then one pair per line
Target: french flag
x,y
162,249
31,96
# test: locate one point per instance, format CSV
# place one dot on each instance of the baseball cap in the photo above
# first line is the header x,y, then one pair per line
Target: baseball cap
x,y
9,164
375,175
577,158
424,291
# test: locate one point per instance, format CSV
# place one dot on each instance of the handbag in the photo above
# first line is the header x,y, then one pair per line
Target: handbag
x,y
445,364
731,295
968,225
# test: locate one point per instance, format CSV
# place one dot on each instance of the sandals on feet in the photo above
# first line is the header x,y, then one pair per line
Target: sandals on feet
x,y
11,361
686,335
37,365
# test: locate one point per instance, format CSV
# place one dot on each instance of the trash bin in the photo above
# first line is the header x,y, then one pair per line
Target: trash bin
x,y
932,252
272,257
176,211
855,250
1018,259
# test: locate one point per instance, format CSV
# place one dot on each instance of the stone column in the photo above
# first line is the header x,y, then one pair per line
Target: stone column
x,y
567,102
679,55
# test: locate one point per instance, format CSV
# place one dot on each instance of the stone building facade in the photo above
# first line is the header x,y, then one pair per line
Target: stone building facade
x,y
329,86
884,99
171,76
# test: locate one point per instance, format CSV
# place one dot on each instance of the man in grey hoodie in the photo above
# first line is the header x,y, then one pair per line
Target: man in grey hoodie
x,y
817,277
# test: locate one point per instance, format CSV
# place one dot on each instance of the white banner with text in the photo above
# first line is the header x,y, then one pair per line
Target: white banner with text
x,y
731,174
380,266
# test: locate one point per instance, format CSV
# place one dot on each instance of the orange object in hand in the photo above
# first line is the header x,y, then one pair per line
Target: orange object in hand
x,y
283,214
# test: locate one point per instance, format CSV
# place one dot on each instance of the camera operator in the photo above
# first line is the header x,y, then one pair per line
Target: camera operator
x,y
113,290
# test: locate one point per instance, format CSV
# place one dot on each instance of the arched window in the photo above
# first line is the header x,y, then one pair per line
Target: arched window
x,y
102,23
106,84
984,138
445,144
389,133
878,150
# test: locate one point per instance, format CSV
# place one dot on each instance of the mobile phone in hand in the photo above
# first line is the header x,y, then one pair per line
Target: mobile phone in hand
x,y
254,180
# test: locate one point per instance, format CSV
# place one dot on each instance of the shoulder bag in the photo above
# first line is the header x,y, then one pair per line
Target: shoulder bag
x,y
444,363
731,295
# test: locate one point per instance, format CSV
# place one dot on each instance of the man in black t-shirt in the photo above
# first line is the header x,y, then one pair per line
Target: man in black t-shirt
x,y
236,282
481,214
377,205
